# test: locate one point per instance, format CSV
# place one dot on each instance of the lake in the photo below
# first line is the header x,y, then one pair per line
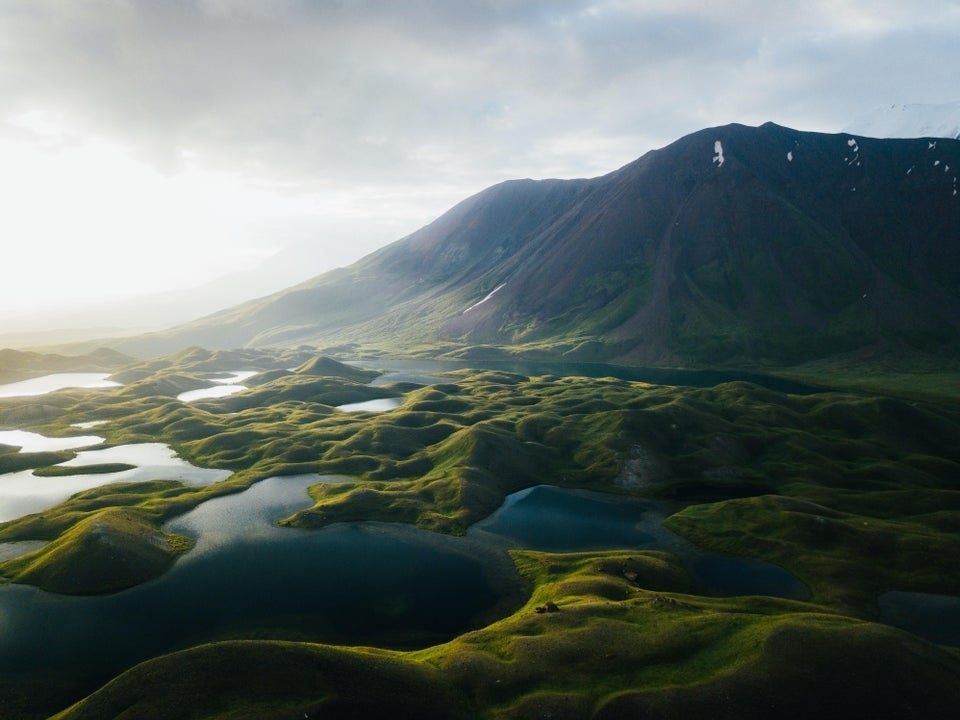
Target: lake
x,y
561,520
932,617
57,381
222,387
354,583
425,371
377,405
22,493
358,583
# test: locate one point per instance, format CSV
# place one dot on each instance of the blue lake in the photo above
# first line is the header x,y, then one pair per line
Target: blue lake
x,y
353,583
362,583
932,617
22,492
560,520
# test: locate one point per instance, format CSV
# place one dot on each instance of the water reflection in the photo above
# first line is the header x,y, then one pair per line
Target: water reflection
x,y
154,461
378,405
426,371
561,520
23,492
216,391
358,583
223,387
89,424
57,381
11,550
31,442
352,583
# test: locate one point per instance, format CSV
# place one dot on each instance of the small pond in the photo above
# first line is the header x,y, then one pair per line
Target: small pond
x,y
11,550
561,520
222,387
352,583
377,405
22,493
89,424
932,617
358,583
57,381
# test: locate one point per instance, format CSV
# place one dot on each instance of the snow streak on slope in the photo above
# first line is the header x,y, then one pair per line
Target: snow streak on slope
x,y
478,304
909,121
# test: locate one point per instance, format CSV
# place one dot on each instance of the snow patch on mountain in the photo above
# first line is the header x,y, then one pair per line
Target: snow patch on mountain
x,y
718,153
490,295
909,121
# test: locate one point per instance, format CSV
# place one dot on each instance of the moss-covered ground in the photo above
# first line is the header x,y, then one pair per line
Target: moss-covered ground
x,y
854,492
606,635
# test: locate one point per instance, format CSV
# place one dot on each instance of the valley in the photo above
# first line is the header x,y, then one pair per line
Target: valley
x,y
815,483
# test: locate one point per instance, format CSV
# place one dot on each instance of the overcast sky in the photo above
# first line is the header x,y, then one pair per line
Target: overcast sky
x,y
150,144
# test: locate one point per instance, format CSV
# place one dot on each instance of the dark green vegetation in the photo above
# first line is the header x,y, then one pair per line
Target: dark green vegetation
x,y
107,550
856,494
839,251
608,635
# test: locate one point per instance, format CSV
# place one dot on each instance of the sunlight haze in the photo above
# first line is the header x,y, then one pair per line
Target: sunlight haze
x,y
150,148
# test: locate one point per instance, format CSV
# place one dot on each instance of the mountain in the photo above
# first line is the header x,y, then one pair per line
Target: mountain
x,y
733,245
910,121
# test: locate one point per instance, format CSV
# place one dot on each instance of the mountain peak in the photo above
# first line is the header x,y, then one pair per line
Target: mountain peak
x,y
733,245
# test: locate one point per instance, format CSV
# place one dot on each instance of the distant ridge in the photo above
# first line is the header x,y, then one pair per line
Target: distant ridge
x,y
732,246
909,121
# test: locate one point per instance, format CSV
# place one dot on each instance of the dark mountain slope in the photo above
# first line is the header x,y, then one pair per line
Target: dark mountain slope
x,y
732,245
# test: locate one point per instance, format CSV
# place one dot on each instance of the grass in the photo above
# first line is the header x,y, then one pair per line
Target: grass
x,y
96,469
451,453
624,641
17,461
920,385
834,552
855,493
272,680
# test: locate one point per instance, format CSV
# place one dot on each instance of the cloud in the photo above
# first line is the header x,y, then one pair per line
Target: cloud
x,y
407,92
388,112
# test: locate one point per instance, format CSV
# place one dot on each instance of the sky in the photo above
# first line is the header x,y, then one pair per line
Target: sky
x,y
149,146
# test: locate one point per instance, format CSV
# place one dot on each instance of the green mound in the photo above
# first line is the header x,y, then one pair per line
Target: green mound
x,y
96,469
603,635
836,552
273,681
16,461
328,367
105,552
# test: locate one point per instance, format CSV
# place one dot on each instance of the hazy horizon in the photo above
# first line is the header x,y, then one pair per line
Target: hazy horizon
x,y
152,148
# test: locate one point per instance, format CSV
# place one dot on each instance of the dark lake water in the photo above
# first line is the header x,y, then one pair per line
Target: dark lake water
x,y
353,583
360,583
560,520
424,371
932,617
